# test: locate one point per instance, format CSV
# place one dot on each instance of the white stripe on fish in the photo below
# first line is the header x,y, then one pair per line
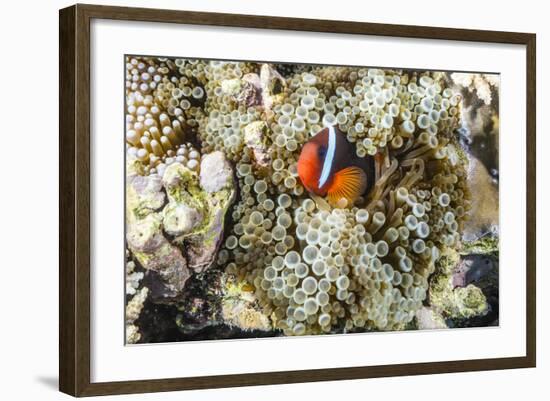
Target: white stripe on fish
x,y
329,157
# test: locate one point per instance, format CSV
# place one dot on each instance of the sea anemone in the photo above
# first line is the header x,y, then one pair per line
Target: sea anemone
x,y
315,268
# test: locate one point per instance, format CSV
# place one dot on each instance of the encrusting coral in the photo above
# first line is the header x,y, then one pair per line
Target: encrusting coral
x,y
454,302
307,266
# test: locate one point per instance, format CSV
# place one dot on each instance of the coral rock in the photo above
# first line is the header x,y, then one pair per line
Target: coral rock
x,y
469,301
232,87
427,319
272,84
144,194
177,176
197,207
201,249
251,91
484,218
244,316
145,237
132,334
255,135
455,303
133,310
216,172
247,91
154,252
134,307
240,308
203,246
180,219
472,268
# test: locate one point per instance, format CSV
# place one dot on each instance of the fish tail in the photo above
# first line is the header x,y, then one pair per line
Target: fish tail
x,y
349,184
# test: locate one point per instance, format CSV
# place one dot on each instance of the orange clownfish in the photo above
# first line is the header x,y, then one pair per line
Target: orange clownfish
x,y
328,166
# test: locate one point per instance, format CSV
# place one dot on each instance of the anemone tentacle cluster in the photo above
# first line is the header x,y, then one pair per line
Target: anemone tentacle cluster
x,y
313,267
161,109
317,268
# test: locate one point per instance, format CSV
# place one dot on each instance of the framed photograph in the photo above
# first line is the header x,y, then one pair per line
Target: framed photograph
x,y
261,200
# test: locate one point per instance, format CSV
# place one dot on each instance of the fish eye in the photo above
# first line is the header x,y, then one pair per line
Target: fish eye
x,y
321,152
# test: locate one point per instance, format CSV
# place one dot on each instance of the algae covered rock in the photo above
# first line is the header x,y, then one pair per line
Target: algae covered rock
x,y
232,87
216,181
469,301
155,253
145,235
144,194
180,219
171,238
241,314
273,85
255,137
448,298
247,91
197,207
240,307
203,245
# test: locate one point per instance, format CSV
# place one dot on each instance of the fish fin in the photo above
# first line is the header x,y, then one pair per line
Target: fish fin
x,y
348,183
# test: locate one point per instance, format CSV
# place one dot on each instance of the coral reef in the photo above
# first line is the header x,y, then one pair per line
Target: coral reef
x,y
210,143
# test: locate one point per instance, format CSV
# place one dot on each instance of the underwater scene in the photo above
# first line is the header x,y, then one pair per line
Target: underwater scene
x,y
266,199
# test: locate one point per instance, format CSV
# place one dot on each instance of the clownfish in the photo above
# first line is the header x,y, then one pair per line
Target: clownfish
x,y
329,166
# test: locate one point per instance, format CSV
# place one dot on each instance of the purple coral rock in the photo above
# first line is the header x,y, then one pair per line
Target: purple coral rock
x,y
471,269
145,235
148,190
202,249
